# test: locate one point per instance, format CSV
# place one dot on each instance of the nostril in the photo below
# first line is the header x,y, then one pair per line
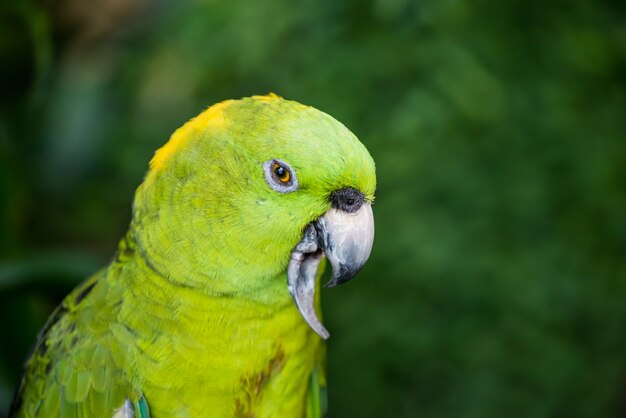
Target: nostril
x,y
347,199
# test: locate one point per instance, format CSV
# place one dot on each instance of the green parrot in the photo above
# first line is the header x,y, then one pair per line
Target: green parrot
x,y
210,306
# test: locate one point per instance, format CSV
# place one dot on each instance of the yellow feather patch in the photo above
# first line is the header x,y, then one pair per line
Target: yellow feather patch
x,y
212,118
267,98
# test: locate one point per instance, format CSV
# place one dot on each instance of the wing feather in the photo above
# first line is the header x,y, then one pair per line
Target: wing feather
x,y
72,371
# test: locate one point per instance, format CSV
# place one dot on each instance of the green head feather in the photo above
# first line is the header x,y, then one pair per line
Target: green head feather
x,y
206,217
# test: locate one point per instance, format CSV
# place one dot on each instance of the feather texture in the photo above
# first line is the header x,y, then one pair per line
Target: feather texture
x,y
192,317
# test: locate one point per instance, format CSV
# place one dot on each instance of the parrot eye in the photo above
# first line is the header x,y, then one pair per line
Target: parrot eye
x,y
280,176
281,172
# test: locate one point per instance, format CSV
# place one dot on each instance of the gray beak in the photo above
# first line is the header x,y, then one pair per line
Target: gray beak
x,y
346,239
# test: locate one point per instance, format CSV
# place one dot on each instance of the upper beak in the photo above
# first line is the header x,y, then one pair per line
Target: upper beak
x,y
346,239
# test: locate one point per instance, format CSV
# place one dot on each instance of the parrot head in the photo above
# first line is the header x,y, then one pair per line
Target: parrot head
x,y
252,188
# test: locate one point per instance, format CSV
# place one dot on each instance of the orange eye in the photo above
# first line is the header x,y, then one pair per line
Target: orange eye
x,y
281,172
280,176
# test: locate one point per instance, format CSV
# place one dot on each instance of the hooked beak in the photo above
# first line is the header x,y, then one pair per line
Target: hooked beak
x,y
346,239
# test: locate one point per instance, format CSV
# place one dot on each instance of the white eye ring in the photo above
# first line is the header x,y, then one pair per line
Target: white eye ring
x,y
280,176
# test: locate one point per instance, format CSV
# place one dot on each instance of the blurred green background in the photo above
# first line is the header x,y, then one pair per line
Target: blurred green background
x,y
497,284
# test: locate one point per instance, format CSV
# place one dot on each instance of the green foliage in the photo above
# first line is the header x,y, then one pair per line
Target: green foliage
x,y
496,287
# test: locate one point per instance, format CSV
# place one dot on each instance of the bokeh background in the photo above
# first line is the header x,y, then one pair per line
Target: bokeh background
x,y
497,284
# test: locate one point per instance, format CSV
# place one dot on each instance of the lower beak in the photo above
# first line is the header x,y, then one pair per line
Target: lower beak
x,y
346,240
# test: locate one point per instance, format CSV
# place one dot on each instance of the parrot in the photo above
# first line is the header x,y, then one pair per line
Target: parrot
x,y
210,306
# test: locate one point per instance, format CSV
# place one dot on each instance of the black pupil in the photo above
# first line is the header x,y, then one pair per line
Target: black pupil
x,y
280,171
